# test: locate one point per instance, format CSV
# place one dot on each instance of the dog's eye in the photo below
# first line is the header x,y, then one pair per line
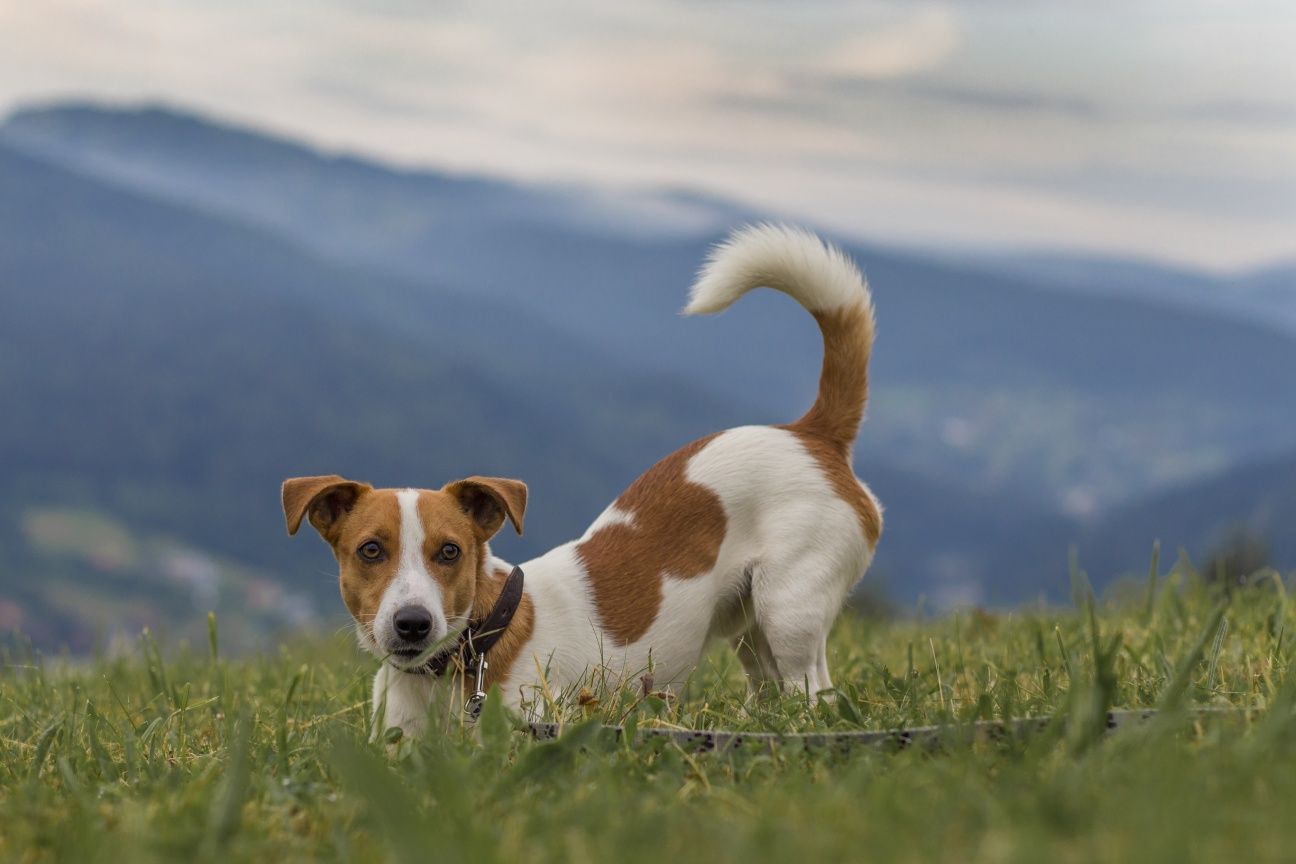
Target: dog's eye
x,y
371,551
449,552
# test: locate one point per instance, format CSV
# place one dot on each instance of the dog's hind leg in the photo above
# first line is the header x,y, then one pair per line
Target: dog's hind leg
x,y
795,607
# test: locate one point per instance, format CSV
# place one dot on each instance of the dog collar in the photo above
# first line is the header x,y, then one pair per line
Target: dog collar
x,y
469,650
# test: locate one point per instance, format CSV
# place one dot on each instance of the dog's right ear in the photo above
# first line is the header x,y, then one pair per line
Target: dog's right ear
x,y
324,499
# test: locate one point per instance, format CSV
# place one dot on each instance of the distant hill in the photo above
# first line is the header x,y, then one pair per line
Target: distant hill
x,y
169,369
1258,498
1070,398
147,340
163,370
1271,292
1266,296
193,312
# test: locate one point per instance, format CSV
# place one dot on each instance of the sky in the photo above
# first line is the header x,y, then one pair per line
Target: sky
x,y
1160,130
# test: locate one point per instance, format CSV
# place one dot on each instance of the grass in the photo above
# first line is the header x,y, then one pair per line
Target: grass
x,y
195,757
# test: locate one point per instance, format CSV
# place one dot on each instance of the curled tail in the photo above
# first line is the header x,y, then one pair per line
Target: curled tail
x,y
829,285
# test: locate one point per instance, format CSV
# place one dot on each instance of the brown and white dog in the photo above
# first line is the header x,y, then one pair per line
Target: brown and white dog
x,y
754,535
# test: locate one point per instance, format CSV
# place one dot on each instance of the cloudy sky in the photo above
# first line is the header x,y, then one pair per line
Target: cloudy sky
x,y
1156,129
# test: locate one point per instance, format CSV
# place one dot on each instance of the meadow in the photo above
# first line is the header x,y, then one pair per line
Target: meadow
x,y
188,755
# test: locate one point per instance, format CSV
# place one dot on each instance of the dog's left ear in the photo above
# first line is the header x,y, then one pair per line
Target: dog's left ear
x,y
325,499
489,499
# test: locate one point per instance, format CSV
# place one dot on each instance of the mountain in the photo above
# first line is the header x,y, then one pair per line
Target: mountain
x,y
350,205
163,369
167,369
1271,293
1266,296
1070,398
192,313
1258,499
145,319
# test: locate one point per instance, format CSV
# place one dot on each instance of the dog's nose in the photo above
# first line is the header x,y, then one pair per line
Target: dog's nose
x,y
413,623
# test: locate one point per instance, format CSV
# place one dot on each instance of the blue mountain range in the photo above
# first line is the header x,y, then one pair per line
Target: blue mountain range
x,y
194,311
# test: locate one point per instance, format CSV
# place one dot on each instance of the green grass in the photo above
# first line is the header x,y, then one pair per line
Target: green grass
x,y
196,757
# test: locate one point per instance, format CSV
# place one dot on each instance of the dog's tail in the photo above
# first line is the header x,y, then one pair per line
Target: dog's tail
x,y
829,285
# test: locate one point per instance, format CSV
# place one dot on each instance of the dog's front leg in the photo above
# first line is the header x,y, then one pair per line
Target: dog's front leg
x,y
400,701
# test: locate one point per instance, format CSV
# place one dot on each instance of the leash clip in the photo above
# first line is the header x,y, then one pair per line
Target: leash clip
x,y
473,707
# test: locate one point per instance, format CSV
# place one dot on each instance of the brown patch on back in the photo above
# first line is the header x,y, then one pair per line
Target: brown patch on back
x,y
843,381
676,529
836,467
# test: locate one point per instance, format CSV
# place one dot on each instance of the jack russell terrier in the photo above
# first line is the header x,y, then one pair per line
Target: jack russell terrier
x,y
755,535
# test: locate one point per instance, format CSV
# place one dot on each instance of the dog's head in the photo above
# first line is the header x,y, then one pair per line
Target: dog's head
x,y
409,560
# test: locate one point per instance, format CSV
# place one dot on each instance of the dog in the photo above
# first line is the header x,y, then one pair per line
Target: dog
x,y
755,535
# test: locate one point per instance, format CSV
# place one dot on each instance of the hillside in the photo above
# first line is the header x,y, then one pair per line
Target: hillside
x,y
166,361
140,318
1073,399
169,369
1257,498
1271,291
164,369
1266,296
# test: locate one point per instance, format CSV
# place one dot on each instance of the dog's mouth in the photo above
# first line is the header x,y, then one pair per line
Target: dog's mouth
x,y
409,655
423,659
416,660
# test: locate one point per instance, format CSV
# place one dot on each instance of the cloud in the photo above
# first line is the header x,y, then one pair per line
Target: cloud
x,y
993,123
907,45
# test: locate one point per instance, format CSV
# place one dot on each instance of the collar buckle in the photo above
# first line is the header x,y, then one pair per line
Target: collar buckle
x,y
473,706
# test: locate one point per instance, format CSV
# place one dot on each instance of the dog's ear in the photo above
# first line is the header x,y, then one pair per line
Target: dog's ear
x,y
489,499
324,499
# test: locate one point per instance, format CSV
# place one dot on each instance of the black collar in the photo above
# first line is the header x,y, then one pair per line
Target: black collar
x,y
480,636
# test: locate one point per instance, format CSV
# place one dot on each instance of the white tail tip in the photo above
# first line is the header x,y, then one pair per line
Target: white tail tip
x,y
816,274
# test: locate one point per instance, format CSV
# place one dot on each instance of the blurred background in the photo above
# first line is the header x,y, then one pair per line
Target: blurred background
x,y
411,241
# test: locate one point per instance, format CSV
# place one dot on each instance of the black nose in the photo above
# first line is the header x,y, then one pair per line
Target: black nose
x,y
413,623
